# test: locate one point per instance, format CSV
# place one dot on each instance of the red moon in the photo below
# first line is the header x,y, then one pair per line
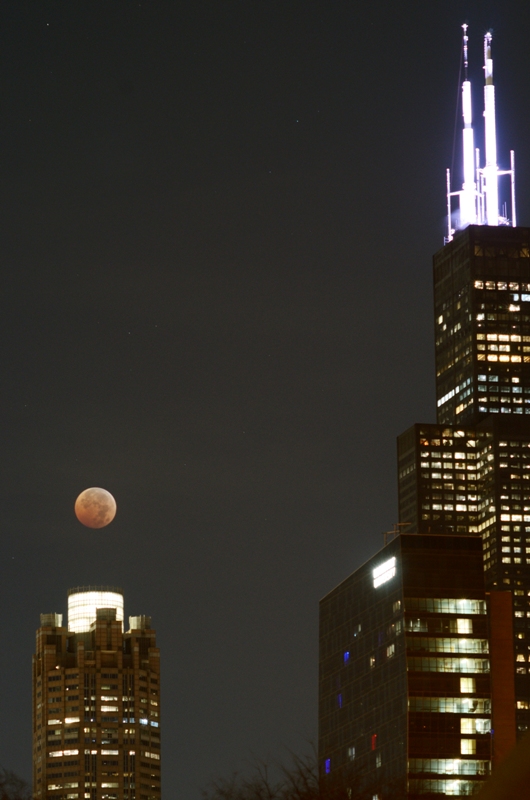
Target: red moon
x,y
95,508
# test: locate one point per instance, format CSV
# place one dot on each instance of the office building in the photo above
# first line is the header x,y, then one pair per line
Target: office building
x,y
470,473
424,659
96,702
482,324
416,670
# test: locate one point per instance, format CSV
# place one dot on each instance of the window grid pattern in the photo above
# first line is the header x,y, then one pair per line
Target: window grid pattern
x,y
482,325
450,766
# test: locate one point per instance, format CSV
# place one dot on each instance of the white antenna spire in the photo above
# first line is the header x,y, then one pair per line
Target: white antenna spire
x,y
468,195
490,169
479,196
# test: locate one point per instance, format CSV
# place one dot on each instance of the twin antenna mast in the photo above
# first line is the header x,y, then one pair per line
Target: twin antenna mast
x,y
479,195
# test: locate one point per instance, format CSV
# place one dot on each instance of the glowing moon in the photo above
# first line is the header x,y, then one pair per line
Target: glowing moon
x,y
95,508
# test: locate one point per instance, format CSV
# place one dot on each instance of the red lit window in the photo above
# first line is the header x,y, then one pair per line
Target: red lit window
x,y
374,741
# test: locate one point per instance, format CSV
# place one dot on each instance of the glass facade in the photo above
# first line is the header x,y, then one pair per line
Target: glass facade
x,y
397,715
482,324
470,472
417,667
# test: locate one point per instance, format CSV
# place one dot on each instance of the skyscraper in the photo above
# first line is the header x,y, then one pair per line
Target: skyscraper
x,y
96,702
470,473
394,716
486,494
482,324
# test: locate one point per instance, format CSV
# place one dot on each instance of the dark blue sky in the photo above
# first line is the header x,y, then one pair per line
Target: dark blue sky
x,y
218,222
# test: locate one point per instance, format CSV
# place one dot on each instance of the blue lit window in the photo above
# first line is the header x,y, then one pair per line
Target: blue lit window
x,y
327,765
346,656
339,700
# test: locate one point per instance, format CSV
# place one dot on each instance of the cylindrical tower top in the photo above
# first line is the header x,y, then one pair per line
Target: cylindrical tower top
x,y
84,601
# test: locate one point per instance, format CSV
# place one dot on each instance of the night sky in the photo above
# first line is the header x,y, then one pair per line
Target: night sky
x,y
218,219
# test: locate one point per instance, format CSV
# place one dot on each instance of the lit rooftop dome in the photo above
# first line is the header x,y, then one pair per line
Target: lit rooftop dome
x,y
83,602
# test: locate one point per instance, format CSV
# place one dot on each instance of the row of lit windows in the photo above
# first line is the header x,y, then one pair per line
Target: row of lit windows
x,y
420,664
504,410
450,766
500,317
445,605
442,645
451,476
463,626
503,286
447,440
505,391
459,456
447,464
502,337
449,494
451,788
451,705
448,507
492,347
503,358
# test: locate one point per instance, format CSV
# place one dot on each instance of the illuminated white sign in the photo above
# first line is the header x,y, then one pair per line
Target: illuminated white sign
x,y
82,608
384,572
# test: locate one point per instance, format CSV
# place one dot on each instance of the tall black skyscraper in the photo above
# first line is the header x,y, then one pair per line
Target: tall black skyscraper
x,y
482,324
397,714
470,472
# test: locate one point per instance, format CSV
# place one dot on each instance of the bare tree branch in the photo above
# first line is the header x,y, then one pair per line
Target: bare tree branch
x,y
12,787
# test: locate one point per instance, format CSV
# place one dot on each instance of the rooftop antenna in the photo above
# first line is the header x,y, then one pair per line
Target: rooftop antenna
x,y
491,177
479,196
468,195
396,530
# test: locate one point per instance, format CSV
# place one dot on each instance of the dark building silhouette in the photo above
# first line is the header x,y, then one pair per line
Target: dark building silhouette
x,y
413,664
96,702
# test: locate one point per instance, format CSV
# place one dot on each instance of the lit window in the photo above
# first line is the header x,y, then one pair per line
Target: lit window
x,y
384,572
468,747
151,755
451,705
467,725
464,626
327,766
467,686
